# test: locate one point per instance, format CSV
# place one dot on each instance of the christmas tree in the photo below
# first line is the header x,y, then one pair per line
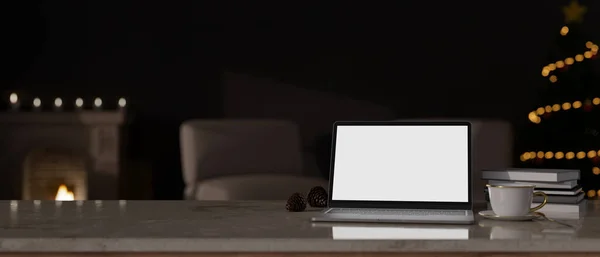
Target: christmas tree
x,y
564,127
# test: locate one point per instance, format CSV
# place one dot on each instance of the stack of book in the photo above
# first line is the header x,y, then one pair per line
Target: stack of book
x,y
565,195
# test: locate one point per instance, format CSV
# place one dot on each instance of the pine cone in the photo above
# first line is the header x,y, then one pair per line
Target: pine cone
x,y
296,203
317,197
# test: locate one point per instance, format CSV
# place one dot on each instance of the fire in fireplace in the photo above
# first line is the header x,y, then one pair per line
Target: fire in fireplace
x,y
55,174
64,194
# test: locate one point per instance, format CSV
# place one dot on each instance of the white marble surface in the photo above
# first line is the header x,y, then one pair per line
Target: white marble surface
x,y
189,226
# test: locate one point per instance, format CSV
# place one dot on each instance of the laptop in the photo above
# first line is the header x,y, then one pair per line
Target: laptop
x,y
400,172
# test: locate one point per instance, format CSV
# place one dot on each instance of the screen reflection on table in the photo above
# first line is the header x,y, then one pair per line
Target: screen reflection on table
x,y
340,232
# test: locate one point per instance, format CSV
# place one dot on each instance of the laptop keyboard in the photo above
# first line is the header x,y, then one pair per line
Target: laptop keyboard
x,y
399,212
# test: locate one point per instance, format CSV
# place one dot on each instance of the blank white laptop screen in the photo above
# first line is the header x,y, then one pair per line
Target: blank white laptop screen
x,y
412,163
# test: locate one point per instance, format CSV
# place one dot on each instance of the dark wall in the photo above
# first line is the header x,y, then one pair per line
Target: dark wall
x,y
422,58
22,24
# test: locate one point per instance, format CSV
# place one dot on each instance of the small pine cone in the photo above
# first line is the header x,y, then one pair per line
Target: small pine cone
x,y
317,197
295,203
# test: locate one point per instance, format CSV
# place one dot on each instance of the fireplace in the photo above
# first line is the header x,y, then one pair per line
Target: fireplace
x,y
60,155
54,174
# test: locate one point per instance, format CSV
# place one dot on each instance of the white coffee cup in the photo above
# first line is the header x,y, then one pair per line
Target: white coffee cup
x,y
513,201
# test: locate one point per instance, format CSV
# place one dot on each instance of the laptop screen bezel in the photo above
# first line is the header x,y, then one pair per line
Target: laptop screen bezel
x,y
401,204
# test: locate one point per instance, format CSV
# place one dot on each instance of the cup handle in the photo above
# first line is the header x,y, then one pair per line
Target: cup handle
x,y
539,193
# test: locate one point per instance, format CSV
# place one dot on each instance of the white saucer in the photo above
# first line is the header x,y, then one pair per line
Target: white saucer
x,y
489,214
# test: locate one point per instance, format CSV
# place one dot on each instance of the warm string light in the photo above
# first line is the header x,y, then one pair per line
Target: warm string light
x,y
79,102
564,30
591,193
97,102
58,102
122,102
37,102
592,50
535,116
592,154
13,98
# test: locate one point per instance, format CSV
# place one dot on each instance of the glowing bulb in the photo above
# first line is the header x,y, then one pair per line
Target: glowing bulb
x,y
79,102
97,102
122,102
553,78
596,101
549,155
548,108
596,170
576,104
556,107
545,72
522,158
551,66
527,156
564,30
591,193
569,61
13,98
566,106
560,64
540,111
540,154
559,155
579,57
587,54
589,44
58,102
591,154
533,117
594,49
580,155
37,102
570,155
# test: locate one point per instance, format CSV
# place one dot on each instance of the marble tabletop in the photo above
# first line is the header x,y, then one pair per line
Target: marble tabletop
x,y
192,226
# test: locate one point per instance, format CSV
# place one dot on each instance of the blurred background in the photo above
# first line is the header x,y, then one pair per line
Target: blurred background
x,y
307,63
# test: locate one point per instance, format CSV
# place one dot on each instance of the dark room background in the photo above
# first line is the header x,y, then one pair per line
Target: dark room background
x,y
419,58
